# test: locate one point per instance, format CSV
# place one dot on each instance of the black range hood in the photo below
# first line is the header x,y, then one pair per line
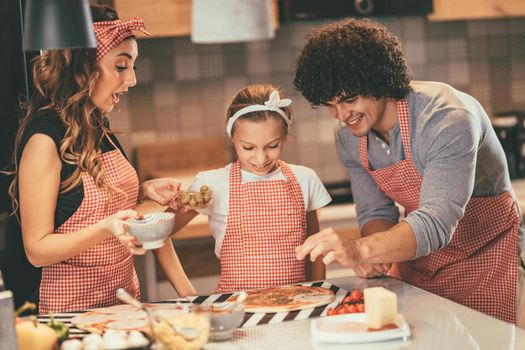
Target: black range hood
x,y
290,10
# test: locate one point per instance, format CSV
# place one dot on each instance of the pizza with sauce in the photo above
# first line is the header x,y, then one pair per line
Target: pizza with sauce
x,y
286,298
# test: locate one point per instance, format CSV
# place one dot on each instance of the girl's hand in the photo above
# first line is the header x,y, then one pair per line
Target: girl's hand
x,y
161,190
115,225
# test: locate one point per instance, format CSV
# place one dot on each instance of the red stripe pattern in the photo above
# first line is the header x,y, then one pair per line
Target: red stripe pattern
x,y
266,221
90,279
479,266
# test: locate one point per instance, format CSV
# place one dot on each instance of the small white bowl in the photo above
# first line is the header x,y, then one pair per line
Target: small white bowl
x,y
225,318
152,230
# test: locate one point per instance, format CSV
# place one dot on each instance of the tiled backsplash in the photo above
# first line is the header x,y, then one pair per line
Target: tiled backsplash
x,y
184,89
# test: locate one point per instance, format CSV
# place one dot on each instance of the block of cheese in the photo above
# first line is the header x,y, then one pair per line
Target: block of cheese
x,y
380,306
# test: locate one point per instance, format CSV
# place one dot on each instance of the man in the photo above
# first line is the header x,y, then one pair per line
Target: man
x,y
426,146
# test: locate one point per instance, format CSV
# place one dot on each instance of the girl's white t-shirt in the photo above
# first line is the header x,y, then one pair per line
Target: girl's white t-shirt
x,y
315,194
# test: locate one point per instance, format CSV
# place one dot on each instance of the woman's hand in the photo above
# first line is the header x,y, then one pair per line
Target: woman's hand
x,y
162,190
114,224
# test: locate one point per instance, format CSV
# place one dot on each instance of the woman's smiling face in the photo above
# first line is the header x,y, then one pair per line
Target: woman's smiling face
x,y
259,144
116,75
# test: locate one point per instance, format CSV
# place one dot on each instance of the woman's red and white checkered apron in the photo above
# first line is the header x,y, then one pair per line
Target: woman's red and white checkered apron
x,y
91,279
266,221
479,266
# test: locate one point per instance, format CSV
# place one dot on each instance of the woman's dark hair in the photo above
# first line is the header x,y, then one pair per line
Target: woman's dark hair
x,y
350,58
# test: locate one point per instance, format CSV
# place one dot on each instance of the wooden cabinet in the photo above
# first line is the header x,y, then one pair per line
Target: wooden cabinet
x,y
165,17
445,10
162,17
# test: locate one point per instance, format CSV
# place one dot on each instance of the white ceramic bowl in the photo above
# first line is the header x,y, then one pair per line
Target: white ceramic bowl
x,y
152,230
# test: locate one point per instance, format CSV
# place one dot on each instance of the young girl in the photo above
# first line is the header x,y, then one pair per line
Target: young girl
x,y
262,208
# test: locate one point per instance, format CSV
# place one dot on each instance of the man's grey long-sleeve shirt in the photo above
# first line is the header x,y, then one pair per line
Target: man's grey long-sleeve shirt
x,y
453,146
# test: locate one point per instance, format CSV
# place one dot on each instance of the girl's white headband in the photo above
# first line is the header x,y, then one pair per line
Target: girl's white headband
x,y
274,104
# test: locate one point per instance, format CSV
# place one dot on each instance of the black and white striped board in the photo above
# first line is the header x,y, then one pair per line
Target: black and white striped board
x,y
259,318
250,320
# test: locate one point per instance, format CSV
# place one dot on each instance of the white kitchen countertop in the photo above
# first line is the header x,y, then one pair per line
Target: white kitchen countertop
x,y
436,323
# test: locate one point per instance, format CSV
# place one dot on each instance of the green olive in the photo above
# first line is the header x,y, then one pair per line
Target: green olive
x,y
199,197
185,198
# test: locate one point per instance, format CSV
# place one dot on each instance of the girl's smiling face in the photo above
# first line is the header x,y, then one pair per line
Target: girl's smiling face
x,y
259,144
116,75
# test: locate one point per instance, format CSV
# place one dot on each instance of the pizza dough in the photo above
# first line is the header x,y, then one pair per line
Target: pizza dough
x,y
286,298
128,325
124,317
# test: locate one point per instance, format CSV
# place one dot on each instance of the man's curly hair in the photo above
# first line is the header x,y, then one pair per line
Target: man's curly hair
x,y
350,58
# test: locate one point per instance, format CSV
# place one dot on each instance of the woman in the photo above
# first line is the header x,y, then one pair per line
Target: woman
x,y
73,186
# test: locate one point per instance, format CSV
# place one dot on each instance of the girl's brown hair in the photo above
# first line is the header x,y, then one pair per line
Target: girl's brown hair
x,y
257,94
63,81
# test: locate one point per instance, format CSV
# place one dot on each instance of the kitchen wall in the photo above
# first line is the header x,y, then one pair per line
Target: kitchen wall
x,y
184,89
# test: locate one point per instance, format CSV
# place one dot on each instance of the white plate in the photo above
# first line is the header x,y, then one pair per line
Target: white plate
x,y
352,328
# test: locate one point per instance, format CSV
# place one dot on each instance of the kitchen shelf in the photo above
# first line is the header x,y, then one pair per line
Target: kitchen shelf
x,y
165,18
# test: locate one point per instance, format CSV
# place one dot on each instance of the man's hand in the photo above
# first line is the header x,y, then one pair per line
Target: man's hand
x,y
333,245
162,190
371,270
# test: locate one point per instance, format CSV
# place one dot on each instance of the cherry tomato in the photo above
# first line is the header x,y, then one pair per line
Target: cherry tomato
x,y
352,308
360,307
355,296
341,311
351,303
